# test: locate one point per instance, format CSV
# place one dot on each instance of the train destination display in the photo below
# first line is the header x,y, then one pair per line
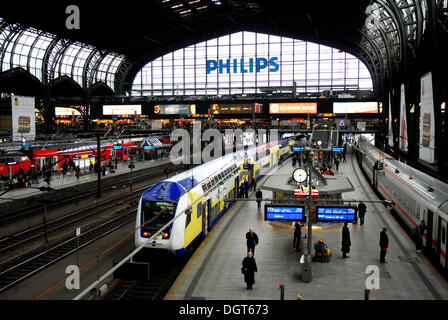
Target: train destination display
x,y
335,213
284,212
298,149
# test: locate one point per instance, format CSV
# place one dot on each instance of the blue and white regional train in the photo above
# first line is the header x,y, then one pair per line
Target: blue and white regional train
x,y
198,196
417,196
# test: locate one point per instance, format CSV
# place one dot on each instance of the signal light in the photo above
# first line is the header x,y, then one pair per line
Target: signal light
x,y
165,235
145,234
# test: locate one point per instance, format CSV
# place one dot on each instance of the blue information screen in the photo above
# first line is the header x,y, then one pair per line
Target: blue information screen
x,y
326,214
284,212
148,148
118,147
298,149
338,149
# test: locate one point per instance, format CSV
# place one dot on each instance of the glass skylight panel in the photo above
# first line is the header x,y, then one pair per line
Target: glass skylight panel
x,y
230,62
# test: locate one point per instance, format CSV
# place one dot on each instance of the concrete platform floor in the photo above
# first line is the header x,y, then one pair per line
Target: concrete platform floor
x,y
214,273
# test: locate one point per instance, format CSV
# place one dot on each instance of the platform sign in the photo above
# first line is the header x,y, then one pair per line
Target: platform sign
x,y
298,149
337,149
148,148
335,213
284,212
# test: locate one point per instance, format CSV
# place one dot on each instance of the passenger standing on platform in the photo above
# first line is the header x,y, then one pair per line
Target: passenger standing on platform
x,y
253,184
297,235
420,232
336,162
293,161
361,212
249,268
346,243
251,240
242,190
103,169
384,244
246,189
343,153
259,196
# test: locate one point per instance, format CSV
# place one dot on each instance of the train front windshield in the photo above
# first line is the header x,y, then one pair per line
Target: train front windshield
x,y
156,215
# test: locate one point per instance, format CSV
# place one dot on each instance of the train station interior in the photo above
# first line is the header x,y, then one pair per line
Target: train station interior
x,y
235,152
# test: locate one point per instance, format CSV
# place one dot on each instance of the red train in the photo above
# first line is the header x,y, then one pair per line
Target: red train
x,y
53,155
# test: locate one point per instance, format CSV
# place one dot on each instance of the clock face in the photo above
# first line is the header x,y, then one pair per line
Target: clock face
x,y
300,175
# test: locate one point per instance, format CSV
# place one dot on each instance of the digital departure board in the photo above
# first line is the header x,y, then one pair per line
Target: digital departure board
x,y
335,213
284,212
298,149
337,149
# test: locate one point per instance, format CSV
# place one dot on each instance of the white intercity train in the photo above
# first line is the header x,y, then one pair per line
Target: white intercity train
x,y
417,196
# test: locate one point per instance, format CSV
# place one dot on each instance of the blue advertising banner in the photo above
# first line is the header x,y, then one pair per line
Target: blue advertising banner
x,y
335,213
284,212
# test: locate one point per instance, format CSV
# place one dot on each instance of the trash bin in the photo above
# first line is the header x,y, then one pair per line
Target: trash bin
x,y
305,268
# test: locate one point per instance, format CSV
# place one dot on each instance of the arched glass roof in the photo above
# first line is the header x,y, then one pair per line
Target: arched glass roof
x,y
47,57
283,62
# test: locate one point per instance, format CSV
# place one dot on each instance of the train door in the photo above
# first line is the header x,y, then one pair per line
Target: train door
x,y
251,173
442,238
237,187
429,225
206,207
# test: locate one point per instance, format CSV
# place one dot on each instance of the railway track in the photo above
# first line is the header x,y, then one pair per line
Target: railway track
x,y
63,200
29,266
19,239
165,268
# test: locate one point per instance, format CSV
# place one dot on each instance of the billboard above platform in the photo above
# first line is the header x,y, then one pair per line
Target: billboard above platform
x,y
121,109
355,107
293,108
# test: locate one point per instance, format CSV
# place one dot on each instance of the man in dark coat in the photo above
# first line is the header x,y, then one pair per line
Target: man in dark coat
x,y
246,189
346,243
252,240
384,244
361,211
297,235
259,196
249,268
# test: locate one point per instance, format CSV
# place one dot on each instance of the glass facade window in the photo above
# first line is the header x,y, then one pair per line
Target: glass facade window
x,y
27,48
250,63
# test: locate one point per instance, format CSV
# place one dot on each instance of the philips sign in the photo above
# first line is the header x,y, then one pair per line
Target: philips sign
x,y
238,65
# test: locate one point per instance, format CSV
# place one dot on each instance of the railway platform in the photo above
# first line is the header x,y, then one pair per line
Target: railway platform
x,y
214,271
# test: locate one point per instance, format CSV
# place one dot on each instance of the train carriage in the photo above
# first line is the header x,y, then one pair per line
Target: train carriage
x,y
200,193
417,196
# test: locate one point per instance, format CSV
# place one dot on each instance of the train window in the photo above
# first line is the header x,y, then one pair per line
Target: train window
x,y
187,218
209,184
199,210
204,187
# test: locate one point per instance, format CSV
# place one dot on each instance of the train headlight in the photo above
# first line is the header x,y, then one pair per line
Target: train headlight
x,y
145,234
165,235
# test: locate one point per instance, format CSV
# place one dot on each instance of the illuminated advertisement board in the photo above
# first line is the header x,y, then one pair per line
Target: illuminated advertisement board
x,y
293,107
122,109
23,118
427,123
335,213
187,109
231,108
355,107
60,111
284,212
